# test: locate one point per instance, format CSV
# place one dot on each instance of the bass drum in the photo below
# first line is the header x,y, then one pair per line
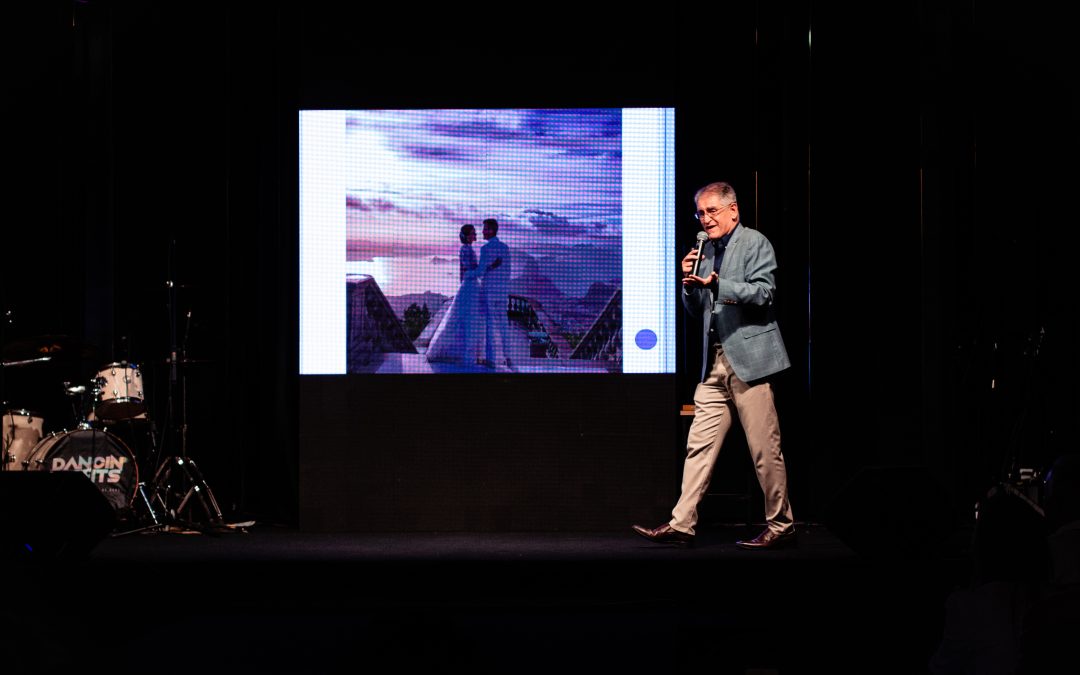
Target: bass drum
x,y
103,457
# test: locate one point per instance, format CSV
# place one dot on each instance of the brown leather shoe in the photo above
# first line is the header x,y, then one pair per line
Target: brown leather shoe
x,y
769,539
665,534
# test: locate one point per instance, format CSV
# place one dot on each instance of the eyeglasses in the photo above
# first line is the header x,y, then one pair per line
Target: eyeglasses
x,y
711,212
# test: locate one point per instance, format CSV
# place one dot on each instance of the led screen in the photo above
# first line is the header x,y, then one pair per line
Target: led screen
x,y
487,241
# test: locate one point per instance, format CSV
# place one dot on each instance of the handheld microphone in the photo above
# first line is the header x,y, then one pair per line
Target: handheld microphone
x,y
702,237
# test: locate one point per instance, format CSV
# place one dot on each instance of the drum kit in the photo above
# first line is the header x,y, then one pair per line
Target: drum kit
x,y
111,438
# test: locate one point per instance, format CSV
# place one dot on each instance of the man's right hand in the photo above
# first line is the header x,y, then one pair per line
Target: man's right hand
x,y
688,262
690,280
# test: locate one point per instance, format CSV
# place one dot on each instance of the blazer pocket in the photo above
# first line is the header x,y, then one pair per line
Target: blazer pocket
x,y
754,331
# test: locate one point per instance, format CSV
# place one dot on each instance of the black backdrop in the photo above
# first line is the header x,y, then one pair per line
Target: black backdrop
x,y
913,169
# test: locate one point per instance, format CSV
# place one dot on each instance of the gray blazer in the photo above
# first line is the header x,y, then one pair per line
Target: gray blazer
x,y
739,308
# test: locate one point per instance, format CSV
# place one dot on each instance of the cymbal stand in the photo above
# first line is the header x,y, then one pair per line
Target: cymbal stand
x,y
178,487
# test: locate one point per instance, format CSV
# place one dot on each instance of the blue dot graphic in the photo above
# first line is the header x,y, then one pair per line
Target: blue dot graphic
x,y
645,339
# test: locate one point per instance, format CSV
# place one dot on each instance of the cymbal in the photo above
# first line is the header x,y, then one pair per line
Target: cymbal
x,y
25,362
39,346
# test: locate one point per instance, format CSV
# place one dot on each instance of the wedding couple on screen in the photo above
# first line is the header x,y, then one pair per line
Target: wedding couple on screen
x,y
474,329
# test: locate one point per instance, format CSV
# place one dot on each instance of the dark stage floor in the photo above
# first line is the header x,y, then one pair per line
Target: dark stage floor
x,y
271,599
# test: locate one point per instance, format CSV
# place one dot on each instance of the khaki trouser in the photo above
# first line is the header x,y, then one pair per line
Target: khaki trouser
x,y
715,400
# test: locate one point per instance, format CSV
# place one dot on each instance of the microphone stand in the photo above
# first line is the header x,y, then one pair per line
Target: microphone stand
x,y
178,484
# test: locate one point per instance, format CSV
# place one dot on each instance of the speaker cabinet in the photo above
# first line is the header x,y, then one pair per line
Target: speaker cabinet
x,y
51,515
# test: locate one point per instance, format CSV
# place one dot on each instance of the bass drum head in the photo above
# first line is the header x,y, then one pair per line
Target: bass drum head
x,y
101,456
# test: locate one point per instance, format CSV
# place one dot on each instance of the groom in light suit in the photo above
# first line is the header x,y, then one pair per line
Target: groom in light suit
x,y
494,291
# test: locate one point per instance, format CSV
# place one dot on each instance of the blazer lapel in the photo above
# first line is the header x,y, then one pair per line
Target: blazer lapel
x,y
725,264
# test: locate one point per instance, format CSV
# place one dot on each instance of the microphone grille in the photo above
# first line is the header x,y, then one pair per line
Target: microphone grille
x,y
702,236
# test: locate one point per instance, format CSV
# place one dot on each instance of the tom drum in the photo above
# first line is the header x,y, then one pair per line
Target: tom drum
x,y
118,392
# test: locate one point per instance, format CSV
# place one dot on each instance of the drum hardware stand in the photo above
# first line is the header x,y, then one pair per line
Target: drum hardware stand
x,y
78,409
180,478
143,510
155,498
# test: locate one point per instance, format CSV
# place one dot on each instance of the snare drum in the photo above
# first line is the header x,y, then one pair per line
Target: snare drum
x,y
22,430
103,457
118,392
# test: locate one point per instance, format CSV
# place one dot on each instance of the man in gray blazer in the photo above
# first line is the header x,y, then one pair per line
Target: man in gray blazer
x,y
732,291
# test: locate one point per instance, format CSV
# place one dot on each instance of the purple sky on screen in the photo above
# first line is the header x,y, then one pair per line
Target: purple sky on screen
x,y
552,178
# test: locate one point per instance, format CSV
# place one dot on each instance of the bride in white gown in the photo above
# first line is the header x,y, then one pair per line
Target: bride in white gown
x,y
459,338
